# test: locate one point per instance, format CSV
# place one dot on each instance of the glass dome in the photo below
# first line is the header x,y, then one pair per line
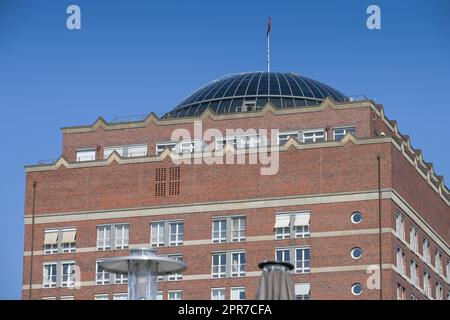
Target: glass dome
x,y
251,91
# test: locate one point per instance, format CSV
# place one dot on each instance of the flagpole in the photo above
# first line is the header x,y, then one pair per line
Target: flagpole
x,y
268,52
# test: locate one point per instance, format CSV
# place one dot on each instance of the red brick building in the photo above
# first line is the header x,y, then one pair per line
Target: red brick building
x,y
347,194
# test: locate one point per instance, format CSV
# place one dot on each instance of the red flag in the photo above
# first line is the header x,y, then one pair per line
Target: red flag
x,y
268,27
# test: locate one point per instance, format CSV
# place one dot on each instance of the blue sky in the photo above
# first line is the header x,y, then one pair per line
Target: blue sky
x,y
134,57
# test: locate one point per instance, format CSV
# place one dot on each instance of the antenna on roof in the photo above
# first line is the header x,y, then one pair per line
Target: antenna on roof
x,y
268,44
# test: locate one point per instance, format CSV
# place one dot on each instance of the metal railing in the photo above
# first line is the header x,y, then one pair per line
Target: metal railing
x,y
130,118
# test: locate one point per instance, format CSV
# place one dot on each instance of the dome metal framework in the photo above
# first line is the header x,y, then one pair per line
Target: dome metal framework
x,y
251,91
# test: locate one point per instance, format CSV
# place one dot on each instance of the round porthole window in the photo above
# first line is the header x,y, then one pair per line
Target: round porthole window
x,y
356,253
357,289
356,217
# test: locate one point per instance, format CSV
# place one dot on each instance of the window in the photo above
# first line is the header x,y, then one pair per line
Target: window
x,y
219,232
357,289
176,233
283,255
59,241
426,251
68,274
48,298
237,229
448,271
413,273
426,285
50,275
413,240
302,260
160,147
122,236
120,296
51,241
101,297
313,136
222,233
400,261
356,253
218,294
400,292
238,264
283,137
237,293
120,278
438,263
117,234
413,297
356,217
103,238
66,298
85,155
102,275
249,141
175,276
400,227
228,264
175,295
439,292
219,265
221,143
302,291
159,295
290,225
157,234
128,151
339,133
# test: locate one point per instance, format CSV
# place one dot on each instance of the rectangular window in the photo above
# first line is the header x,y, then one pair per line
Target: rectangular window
x,y
413,240
413,273
339,133
283,137
120,278
426,251
219,232
66,298
157,237
219,265
302,291
313,136
218,294
175,295
108,150
283,255
439,292
238,264
103,238
400,227
438,262
176,276
250,141
67,274
86,155
138,150
120,296
102,275
282,226
448,271
426,285
237,293
221,143
50,274
400,261
159,295
237,229
400,292
176,233
302,260
101,297
301,225
160,147
68,240
122,236
51,241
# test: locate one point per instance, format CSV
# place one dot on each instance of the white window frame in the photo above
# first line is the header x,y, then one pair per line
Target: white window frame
x,y
401,261
400,226
439,291
235,293
86,154
219,270
68,279
438,262
283,137
160,147
101,296
101,277
238,268
238,232
282,252
50,280
122,236
345,130
218,293
293,231
426,285
176,238
157,230
176,295
52,248
413,273
108,238
302,296
302,265
104,241
120,296
175,276
414,240
317,134
426,248
219,235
